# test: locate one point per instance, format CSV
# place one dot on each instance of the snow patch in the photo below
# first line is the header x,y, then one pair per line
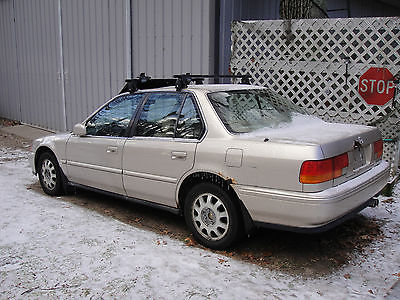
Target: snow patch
x,y
306,129
53,249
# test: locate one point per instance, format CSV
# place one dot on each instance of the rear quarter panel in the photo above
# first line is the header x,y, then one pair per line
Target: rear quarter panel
x,y
263,164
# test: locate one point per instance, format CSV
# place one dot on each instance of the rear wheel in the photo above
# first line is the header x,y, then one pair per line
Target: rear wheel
x,y
50,175
212,216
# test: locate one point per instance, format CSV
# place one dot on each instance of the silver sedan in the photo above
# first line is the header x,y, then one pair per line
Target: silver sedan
x,y
227,157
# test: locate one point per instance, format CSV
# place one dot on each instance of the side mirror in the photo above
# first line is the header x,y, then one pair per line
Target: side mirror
x,y
79,129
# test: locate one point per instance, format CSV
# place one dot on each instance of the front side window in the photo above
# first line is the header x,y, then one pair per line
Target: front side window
x,y
113,119
248,110
159,115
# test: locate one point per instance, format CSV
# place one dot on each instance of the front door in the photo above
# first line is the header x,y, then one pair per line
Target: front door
x,y
163,147
95,160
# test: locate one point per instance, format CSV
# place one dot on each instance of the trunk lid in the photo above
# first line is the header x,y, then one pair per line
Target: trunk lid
x,y
333,138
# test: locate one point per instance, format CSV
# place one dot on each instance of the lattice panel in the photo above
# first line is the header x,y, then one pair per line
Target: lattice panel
x,y
317,64
391,154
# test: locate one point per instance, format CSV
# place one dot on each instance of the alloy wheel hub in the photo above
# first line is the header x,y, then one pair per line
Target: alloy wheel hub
x,y
49,174
208,216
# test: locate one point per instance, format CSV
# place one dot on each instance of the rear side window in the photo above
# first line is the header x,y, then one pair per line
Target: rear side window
x,y
113,119
159,115
189,125
170,115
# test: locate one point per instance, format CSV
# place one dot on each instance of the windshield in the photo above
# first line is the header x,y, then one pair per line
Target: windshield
x,y
248,110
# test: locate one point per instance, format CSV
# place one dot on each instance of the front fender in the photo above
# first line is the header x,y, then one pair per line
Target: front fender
x,y
54,143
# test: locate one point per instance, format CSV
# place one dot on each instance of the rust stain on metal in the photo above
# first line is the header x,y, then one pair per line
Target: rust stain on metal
x,y
233,181
228,179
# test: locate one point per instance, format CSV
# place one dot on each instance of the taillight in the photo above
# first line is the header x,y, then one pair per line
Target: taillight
x,y
340,162
378,149
317,171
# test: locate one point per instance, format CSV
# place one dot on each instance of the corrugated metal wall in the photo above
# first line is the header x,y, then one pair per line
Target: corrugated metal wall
x,y
34,88
54,78
172,37
9,99
94,51
37,43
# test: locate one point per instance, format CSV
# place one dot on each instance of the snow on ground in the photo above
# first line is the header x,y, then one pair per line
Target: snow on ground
x,y
53,249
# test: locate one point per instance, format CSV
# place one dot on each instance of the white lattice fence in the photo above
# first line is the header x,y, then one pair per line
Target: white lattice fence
x,y
317,64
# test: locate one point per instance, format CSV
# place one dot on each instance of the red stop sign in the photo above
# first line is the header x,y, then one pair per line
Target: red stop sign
x,y
376,86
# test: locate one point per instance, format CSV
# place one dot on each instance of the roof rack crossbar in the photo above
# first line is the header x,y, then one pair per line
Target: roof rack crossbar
x,y
213,76
183,80
179,81
143,82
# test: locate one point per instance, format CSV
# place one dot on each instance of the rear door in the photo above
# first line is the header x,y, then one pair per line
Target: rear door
x,y
163,147
95,159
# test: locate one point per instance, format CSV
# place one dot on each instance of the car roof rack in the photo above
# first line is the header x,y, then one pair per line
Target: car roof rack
x,y
180,82
183,80
143,82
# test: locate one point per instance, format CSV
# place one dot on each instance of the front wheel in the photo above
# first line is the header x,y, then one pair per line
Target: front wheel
x,y
211,216
50,175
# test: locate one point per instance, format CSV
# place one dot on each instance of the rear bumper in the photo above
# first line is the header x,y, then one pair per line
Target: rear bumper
x,y
313,210
322,228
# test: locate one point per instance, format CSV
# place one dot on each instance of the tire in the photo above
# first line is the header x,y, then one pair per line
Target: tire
x,y
50,175
211,216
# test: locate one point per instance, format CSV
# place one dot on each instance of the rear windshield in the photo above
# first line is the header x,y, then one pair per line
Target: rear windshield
x,y
248,110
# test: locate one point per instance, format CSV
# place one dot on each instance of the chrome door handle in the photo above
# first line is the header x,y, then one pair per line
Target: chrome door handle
x,y
178,155
111,149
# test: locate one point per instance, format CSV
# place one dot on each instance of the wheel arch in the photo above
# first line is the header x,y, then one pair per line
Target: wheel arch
x,y
45,149
215,178
39,151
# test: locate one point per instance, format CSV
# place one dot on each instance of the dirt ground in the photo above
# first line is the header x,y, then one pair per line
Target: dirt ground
x,y
298,254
